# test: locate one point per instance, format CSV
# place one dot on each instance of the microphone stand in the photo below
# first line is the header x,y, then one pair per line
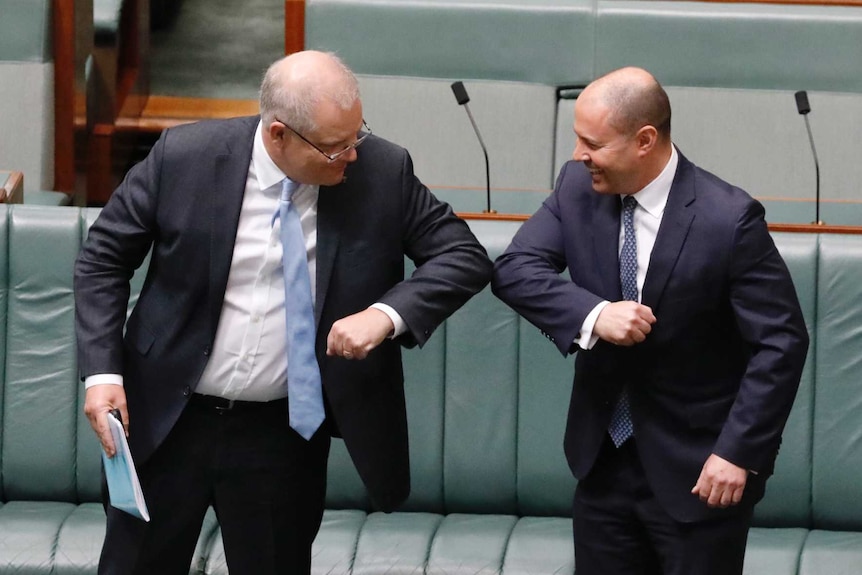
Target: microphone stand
x,y
462,98
488,209
817,220
803,107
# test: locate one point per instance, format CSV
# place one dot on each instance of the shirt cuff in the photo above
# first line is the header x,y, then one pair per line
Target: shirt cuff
x,y
400,326
103,378
587,339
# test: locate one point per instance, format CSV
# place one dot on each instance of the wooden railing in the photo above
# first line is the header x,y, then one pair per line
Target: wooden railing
x,y
809,2
11,187
792,228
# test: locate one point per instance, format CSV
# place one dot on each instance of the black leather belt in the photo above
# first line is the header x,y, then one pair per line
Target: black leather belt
x,y
224,405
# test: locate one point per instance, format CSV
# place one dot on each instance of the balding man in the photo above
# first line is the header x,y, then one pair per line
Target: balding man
x,y
689,336
271,317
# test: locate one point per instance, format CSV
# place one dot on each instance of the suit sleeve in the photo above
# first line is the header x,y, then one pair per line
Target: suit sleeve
x,y
116,245
451,264
769,318
527,277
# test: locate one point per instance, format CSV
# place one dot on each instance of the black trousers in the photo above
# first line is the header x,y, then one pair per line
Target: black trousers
x,y
620,529
266,484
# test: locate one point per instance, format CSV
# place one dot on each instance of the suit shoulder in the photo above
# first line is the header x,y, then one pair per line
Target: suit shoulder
x,y
210,135
718,196
376,149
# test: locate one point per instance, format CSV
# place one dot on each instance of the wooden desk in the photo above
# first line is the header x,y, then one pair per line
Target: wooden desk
x,y
11,187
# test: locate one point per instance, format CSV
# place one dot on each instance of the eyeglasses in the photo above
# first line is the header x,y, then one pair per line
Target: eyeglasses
x,y
362,136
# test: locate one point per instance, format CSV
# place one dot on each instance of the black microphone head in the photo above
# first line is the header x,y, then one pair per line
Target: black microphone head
x,y
802,105
460,92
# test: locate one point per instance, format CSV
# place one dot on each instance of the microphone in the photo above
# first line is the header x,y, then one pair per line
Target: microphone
x,y
803,107
462,98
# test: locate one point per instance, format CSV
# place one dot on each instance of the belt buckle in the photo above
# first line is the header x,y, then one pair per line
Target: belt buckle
x,y
220,409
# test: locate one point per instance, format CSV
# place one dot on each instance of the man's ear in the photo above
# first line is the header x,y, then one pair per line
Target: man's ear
x,y
646,138
276,132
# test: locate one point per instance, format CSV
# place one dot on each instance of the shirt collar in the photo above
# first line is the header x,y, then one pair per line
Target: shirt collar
x,y
653,197
268,174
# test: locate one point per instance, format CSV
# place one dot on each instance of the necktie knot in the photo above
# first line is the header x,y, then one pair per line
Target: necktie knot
x,y
629,252
629,204
288,186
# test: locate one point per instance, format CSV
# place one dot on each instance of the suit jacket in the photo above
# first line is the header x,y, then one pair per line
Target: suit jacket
x,y
718,372
183,203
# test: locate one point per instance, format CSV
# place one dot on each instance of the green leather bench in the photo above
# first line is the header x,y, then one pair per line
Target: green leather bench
x,y
486,400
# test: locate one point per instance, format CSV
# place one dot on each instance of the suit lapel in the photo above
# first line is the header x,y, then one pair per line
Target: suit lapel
x,y
606,239
225,198
675,224
328,236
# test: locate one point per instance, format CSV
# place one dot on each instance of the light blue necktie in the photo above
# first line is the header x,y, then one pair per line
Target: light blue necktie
x,y
621,427
304,391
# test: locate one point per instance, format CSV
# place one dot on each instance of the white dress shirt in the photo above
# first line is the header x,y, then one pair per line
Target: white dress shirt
x,y
652,200
249,355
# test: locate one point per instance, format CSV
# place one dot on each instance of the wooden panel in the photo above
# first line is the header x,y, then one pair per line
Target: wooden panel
x,y
64,95
294,26
72,31
166,111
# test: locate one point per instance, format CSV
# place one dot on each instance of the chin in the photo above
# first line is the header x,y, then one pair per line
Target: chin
x,y
600,186
335,180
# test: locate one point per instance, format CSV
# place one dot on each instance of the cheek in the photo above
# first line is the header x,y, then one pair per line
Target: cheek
x,y
598,160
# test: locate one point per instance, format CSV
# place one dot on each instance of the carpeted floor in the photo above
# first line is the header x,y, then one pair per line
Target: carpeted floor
x,y
216,48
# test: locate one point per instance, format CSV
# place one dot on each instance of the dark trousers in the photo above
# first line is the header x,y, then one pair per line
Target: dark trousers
x,y
620,529
266,484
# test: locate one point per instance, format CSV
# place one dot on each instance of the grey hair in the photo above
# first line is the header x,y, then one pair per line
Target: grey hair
x,y
295,102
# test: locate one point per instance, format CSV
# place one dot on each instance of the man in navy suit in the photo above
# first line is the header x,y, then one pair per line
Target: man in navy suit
x,y
689,335
201,373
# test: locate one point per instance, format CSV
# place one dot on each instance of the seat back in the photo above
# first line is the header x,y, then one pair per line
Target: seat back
x,y
788,495
837,449
40,398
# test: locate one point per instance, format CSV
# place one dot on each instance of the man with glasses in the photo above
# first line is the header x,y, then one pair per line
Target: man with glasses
x,y
271,318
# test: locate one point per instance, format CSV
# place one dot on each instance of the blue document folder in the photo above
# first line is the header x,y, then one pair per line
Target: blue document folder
x,y
124,488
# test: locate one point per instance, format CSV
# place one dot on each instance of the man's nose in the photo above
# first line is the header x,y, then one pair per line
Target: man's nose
x,y
351,155
579,154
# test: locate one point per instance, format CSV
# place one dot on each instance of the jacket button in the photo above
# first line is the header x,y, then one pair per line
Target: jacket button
x,y
207,351
187,391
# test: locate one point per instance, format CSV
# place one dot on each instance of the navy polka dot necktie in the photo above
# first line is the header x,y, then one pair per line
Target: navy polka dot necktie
x,y
621,428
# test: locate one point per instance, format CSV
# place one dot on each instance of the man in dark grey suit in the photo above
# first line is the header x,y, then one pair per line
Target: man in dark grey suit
x,y
200,376
689,336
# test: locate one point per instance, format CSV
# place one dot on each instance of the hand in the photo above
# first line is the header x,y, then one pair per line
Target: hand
x,y
99,401
354,336
624,323
721,483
